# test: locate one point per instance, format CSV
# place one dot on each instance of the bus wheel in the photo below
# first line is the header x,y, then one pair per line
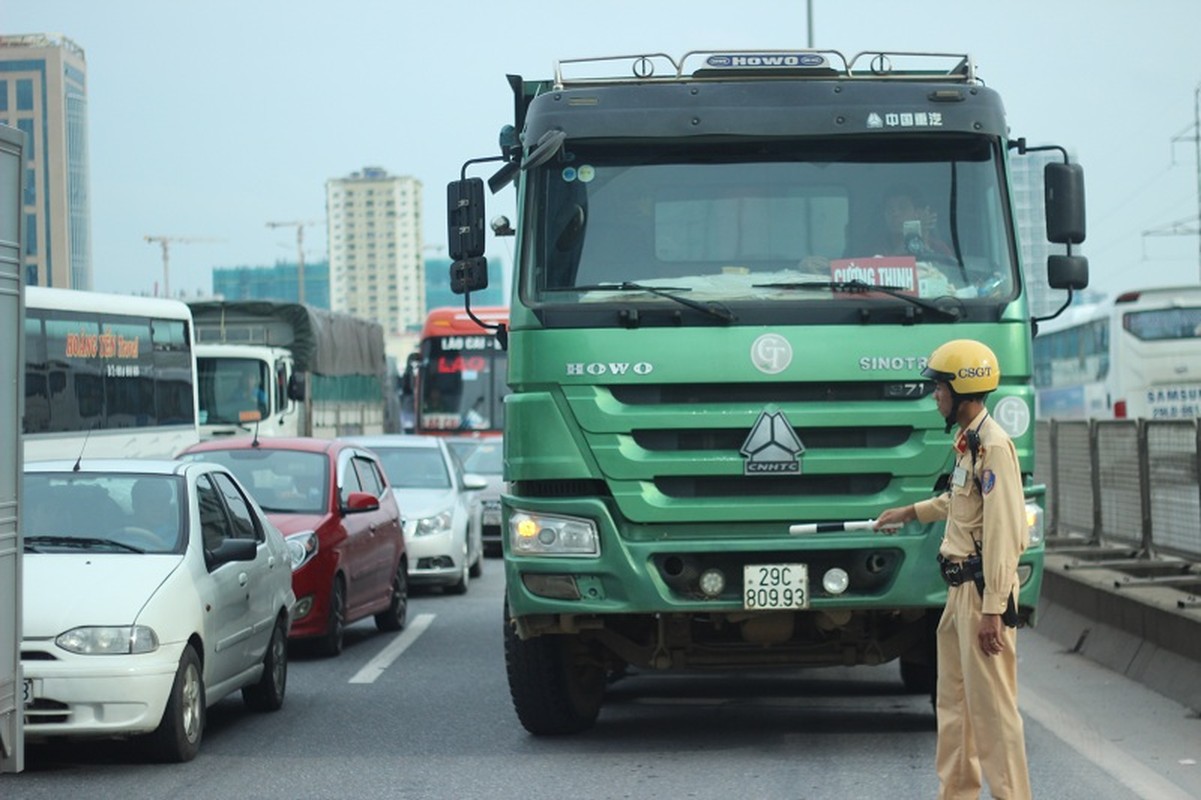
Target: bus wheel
x,y
556,685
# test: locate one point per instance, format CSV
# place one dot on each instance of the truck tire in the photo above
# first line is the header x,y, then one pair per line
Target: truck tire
x,y
556,688
919,666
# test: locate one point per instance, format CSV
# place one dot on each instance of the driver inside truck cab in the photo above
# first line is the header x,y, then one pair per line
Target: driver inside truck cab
x,y
250,394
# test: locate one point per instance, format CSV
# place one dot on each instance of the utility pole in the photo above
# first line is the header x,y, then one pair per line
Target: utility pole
x,y
165,242
299,226
1189,226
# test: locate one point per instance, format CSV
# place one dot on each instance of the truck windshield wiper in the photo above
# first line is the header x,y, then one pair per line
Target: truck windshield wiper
x,y
713,309
82,542
953,313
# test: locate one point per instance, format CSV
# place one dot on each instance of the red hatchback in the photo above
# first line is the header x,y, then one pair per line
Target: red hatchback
x,y
331,500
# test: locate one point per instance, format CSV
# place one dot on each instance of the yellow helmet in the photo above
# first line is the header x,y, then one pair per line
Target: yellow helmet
x,y
970,367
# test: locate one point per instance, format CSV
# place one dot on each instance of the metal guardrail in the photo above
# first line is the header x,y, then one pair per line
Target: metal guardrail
x,y
1129,492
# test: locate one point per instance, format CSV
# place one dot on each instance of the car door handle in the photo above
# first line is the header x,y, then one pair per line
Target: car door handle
x,y
242,579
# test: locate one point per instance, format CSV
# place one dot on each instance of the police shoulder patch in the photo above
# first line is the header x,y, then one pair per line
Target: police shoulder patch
x,y
988,479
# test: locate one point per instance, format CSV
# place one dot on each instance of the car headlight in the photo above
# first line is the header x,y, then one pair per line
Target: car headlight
x,y
301,548
108,641
551,535
438,523
1034,522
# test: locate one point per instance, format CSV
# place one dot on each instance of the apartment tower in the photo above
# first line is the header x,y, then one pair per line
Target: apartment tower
x,y
376,269
43,92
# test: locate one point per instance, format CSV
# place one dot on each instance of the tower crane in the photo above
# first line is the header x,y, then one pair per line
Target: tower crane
x,y
165,243
299,226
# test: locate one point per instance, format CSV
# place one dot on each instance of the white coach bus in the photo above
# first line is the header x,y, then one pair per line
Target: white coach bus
x,y
1135,356
107,376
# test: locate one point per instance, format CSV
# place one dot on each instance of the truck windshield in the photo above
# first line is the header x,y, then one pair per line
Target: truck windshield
x,y
771,222
229,386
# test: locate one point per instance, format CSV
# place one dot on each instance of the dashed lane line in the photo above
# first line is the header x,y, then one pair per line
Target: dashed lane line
x,y
376,666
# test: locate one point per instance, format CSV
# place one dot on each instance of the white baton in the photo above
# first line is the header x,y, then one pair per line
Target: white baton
x,y
836,527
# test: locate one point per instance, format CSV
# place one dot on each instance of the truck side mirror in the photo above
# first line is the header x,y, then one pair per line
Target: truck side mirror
x,y
1067,272
1063,185
296,386
469,275
465,218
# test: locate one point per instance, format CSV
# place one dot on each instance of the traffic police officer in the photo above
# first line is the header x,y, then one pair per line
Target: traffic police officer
x,y
979,726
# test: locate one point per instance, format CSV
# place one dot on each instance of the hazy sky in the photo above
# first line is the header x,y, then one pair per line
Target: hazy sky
x,y
210,119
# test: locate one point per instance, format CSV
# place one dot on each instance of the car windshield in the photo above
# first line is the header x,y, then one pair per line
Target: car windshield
x,y
122,513
770,222
479,456
414,467
280,481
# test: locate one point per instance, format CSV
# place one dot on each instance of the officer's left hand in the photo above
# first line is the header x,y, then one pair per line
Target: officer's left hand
x,y
990,634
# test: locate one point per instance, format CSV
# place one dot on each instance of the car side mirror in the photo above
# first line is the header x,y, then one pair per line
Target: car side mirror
x,y
358,502
473,482
231,550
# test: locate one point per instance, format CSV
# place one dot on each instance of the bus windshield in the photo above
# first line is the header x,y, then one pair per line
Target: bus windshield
x,y
114,373
462,383
771,221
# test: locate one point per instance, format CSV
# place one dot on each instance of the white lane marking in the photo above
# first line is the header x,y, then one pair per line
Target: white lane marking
x,y
376,666
1086,741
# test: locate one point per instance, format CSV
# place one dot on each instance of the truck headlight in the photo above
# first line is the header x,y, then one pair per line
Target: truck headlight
x,y
1034,522
95,640
533,534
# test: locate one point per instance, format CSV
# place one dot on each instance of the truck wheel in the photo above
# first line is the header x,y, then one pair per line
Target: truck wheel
x,y
919,678
556,688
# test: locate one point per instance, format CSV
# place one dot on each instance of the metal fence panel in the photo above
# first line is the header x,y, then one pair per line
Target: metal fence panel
x,y
1043,466
1075,489
1117,462
1175,508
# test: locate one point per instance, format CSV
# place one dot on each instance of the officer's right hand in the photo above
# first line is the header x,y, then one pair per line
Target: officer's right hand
x,y
893,518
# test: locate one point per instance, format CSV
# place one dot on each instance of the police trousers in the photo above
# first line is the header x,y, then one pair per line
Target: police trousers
x,y
979,726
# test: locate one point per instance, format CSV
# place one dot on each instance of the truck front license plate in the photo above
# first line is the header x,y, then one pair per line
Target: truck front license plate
x,y
775,586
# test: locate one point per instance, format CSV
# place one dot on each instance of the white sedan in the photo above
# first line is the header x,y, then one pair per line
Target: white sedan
x,y
439,505
152,589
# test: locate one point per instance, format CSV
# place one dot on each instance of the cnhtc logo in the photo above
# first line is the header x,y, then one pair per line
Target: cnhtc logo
x,y
772,447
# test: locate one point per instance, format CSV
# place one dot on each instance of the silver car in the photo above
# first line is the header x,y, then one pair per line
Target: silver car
x,y
442,517
484,456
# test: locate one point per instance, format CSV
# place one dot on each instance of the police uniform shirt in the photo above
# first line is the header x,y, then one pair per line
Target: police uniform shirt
x,y
985,503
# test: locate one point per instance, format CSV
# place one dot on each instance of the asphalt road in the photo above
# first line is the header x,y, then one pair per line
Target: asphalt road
x,y
426,714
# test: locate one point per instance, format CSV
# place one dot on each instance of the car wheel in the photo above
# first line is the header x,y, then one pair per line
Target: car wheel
x,y
557,682
460,586
335,633
268,693
177,737
393,619
477,568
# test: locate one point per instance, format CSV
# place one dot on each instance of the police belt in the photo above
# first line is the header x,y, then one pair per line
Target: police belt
x,y
958,572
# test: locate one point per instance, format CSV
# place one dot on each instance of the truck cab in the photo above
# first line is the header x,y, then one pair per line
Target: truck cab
x,y
234,380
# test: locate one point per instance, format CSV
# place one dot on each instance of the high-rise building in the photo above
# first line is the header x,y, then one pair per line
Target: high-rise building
x,y
376,269
43,92
279,282
1029,209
